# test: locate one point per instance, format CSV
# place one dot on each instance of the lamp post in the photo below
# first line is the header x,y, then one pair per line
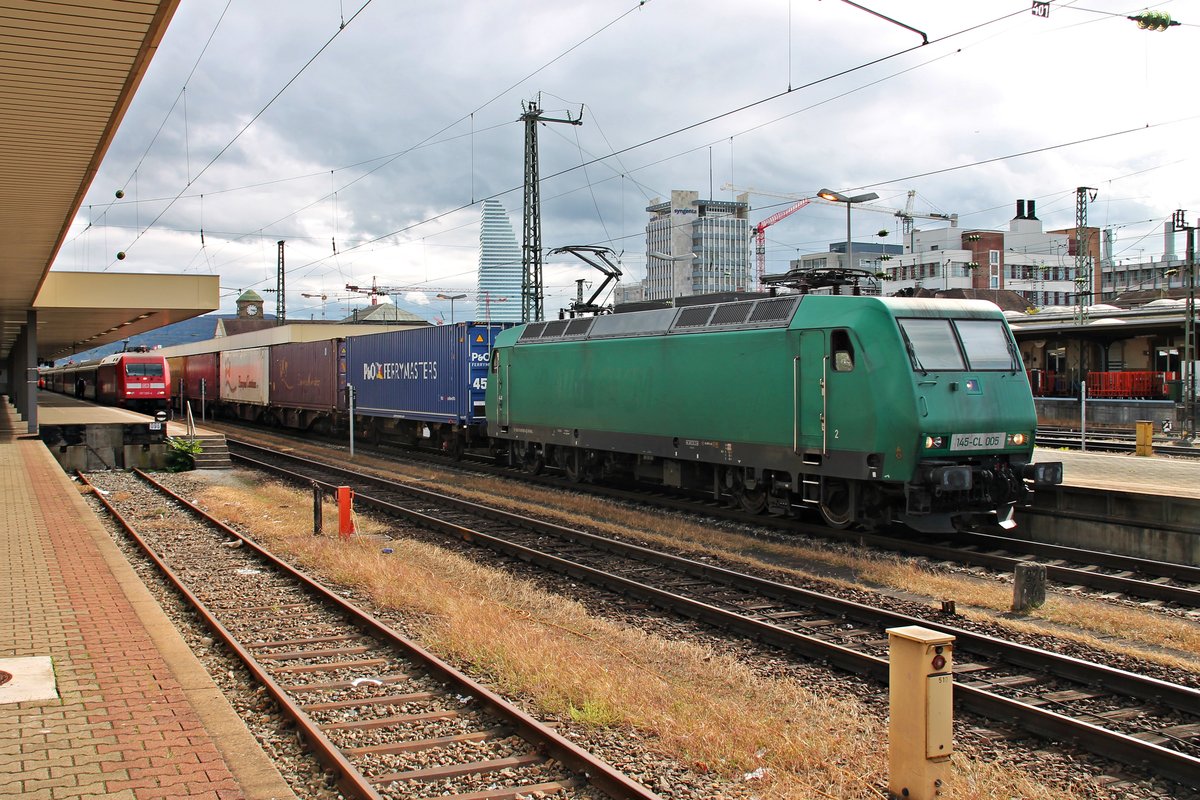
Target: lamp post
x,y
838,197
1188,373
487,316
451,298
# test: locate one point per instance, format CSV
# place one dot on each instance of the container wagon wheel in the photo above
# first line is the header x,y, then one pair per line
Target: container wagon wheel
x,y
837,503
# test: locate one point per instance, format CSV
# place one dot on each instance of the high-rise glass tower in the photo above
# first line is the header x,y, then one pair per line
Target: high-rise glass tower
x,y
499,297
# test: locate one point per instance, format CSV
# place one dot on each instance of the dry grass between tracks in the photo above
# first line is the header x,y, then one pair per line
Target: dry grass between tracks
x,y
704,709
1093,624
1079,619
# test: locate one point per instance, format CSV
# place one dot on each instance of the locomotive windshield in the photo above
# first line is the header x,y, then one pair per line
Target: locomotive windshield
x,y
940,344
931,344
152,370
986,343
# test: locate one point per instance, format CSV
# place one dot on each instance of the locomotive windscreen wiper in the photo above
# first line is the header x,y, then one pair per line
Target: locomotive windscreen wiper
x,y
912,352
1013,354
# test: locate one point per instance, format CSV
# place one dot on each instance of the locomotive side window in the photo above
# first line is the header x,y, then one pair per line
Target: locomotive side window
x,y
931,344
987,344
843,351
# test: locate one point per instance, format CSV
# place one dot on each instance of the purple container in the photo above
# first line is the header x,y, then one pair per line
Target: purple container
x,y
309,375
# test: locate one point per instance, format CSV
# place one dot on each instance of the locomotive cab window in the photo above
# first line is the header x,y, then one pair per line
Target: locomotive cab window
x,y
987,344
149,370
843,351
931,344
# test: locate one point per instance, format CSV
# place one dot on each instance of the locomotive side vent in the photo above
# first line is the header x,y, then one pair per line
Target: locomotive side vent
x,y
778,308
579,327
532,331
732,313
694,317
555,329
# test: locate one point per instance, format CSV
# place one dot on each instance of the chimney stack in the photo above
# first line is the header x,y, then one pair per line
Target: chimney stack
x,y
1168,241
1020,210
1029,210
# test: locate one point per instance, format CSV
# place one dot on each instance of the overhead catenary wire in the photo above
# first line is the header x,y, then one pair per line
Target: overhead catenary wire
x,y
255,118
626,173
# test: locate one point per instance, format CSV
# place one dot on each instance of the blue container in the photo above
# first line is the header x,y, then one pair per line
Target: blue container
x,y
436,374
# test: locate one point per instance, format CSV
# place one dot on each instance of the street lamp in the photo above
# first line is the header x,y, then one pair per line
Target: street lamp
x,y
451,298
838,197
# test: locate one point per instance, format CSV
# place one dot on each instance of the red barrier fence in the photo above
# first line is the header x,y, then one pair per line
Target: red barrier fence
x,y
1149,385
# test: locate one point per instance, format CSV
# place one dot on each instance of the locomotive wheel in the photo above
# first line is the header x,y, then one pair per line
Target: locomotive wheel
x,y
752,501
572,464
528,457
837,504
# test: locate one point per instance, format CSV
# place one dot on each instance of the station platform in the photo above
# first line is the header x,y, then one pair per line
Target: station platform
x,y
125,710
86,436
1157,475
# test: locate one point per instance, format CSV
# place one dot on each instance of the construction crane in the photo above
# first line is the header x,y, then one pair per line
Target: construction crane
x,y
375,291
906,215
760,238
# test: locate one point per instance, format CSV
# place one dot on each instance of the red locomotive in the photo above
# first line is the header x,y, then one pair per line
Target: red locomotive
x,y
135,380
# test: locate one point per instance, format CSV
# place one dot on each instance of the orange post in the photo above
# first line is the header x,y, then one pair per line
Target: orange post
x,y
345,497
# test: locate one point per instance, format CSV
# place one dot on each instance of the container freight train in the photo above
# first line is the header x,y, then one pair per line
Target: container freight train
x,y
422,386
140,381
866,410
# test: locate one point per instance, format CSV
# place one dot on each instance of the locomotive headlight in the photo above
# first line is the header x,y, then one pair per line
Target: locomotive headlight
x,y
934,441
1017,439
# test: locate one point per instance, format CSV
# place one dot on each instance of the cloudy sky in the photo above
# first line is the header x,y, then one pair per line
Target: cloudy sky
x,y
365,136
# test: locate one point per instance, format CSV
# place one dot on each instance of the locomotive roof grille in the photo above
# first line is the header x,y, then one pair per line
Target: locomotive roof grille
x,y
774,312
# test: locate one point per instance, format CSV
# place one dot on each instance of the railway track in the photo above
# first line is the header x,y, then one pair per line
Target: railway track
x,y
1115,714
1134,578
1108,442
387,718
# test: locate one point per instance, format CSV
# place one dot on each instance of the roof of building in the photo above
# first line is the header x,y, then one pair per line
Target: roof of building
x,y
381,314
1007,300
1140,297
249,296
232,327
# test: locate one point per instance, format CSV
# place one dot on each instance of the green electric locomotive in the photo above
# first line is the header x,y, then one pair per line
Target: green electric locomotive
x,y
868,410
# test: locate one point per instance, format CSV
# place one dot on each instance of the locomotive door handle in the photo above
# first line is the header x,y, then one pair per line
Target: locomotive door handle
x,y
796,405
824,406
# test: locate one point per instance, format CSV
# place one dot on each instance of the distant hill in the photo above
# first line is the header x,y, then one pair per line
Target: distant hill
x,y
196,329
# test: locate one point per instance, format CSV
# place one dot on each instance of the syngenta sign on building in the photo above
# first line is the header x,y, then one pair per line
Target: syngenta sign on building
x,y
400,371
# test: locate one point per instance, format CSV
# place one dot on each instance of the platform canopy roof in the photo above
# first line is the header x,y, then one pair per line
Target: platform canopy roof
x,y
68,71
